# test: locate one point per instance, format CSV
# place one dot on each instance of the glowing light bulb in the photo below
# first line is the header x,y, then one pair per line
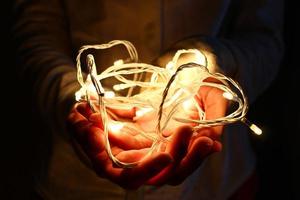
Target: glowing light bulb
x,y
199,57
115,127
252,126
91,88
255,129
143,111
109,94
228,96
119,87
118,62
188,104
122,86
78,95
170,65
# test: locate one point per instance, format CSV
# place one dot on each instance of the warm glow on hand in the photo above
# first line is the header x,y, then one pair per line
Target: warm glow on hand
x,y
163,101
115,127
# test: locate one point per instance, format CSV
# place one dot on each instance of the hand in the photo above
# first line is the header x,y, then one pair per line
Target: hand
x,y
88,130
188,150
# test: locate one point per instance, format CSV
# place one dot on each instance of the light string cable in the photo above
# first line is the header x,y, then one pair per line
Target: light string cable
x,y
237,115
163,96
87,93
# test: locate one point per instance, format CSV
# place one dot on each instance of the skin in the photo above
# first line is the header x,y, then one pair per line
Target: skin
x,y
173,164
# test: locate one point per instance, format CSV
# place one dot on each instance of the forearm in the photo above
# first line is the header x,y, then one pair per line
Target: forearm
x,y
251,51
253,62
44,54
257,58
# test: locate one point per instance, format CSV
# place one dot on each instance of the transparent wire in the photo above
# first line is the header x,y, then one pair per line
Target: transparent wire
x,y
163,94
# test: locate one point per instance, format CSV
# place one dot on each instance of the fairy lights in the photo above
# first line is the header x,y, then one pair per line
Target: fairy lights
x,y
115,126
163,100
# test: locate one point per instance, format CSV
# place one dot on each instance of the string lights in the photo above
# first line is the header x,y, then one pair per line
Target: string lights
x,y
165,98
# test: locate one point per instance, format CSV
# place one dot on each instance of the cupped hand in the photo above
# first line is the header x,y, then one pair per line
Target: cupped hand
x,y
179,158
189,149
87,128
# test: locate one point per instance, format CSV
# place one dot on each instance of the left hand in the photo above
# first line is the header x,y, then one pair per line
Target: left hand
x,y
188,150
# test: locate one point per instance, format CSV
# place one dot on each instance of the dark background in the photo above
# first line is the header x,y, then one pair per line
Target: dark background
x,y
277,111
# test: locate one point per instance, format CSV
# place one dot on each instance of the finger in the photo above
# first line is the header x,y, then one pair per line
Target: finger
x,y
217,146
103,166
127,141
215,105
84,109
152,165
95,141
208,132
96,120
199,150
177,149
131,156
75,117
77,124
124,138
179,142
90,138
214,111
132,178
124,113
194,116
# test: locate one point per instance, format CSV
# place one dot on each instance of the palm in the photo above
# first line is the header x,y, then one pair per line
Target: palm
x,y
187,149
87,128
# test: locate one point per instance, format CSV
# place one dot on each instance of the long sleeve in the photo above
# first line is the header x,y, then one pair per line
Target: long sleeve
x,y
43,45
251,49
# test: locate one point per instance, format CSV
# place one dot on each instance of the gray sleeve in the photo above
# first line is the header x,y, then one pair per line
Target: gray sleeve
x,y
252,49
45,62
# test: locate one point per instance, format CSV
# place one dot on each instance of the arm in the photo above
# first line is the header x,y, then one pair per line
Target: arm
x,y
41,34
252,48
43,44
